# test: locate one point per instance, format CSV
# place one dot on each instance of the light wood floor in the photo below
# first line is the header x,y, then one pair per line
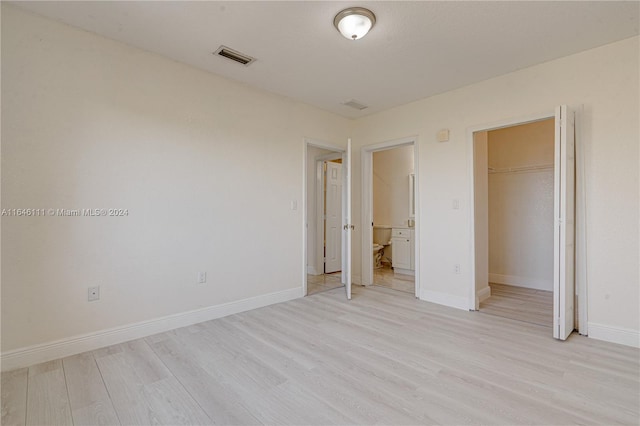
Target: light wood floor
x,y
324,282
385,277
382,358
518,303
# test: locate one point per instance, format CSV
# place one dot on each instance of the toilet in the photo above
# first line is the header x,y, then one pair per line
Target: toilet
x,y
381,245
378,250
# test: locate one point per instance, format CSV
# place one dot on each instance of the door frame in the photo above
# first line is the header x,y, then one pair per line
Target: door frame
x,y
367,206
337,151
580,207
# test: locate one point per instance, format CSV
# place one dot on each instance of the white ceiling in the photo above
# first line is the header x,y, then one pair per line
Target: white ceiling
x,y
416,49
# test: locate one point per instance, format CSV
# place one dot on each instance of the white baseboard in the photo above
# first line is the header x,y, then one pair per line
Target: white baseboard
x,y
401,271
311,270
623,336
483,295
356,279
445,299
534,283
36,354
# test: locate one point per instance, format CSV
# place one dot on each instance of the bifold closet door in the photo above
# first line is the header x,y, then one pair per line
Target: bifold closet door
x,y
564,227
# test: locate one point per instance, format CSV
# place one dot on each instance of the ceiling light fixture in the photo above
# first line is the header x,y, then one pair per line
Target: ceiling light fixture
x,y
354,22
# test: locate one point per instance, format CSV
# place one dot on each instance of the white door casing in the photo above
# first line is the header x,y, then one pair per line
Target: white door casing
x,y
333,217
347,226
564,226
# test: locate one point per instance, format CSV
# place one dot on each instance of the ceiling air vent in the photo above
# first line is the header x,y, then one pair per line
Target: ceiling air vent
x,y
355,104
234,55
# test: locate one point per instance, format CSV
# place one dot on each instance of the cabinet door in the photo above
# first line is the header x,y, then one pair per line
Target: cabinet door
x,y
401,253
412,248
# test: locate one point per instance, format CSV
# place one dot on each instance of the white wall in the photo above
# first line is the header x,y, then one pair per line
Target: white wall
x,y
206,167
521,205
605,80
391,169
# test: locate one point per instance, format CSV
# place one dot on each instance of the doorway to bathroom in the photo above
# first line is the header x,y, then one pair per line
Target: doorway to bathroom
x,y
389,206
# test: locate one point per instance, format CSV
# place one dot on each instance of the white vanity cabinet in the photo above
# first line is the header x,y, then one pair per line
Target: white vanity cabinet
x,y
402,246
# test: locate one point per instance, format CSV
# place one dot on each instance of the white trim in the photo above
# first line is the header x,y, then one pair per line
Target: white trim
x,y
366,206
36,354
401,271
526,282
622,336
482,295
581,222
445,299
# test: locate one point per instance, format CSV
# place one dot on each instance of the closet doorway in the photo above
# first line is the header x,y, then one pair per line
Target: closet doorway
x,y
519,179
524,221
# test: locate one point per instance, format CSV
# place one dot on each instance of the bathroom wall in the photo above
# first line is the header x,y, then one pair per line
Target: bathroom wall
x,y
521,205
391,169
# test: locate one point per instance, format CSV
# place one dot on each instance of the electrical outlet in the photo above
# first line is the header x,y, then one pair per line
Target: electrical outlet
x,y
202,277
456,268
93,293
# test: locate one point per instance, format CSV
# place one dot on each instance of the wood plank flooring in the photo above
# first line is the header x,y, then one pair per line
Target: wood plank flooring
x,y
382,358
385,277
519,303
323,282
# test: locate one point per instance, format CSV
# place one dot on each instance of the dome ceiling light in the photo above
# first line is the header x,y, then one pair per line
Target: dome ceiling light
x,y
354,22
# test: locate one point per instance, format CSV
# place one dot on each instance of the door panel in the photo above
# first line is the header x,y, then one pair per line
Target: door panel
x,y
347,227
333,214
564,229
401,253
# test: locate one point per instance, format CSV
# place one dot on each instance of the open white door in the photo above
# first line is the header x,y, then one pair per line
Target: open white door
x,y
333,218
564,228
347,227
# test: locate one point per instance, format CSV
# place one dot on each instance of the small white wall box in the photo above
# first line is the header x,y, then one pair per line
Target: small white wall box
x,y
443,135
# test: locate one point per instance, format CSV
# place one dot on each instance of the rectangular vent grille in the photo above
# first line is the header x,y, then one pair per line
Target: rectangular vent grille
x,y
355,104
234,55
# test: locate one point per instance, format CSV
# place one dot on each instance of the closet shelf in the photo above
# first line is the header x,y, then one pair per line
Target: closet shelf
x,y
521,168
